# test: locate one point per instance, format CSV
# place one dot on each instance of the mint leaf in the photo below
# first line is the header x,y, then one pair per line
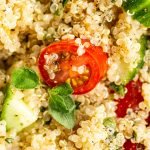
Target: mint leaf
x,y
63,89
61,106
61,103
65,119
24,78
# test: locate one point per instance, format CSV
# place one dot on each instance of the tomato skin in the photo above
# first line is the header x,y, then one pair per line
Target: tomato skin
x,y
94,58
132,98
128,145
148,120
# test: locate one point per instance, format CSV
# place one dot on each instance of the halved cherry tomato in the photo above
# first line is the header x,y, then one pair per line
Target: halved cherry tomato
x,y
132,98
94,62
128,145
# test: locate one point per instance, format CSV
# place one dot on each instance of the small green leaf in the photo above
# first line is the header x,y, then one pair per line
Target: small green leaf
x,y
9,140
120,89
24,78
77,104
60,10
61,106
134,135
63,89
109,122
61,103
65,119
64,2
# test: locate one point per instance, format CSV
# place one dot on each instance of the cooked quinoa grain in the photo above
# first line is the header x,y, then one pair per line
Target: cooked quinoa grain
x,y
29,26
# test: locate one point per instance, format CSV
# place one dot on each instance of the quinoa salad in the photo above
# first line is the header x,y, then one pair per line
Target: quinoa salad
x,y
74,74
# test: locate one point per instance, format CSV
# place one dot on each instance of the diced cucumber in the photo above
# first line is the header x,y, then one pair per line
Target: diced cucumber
x,y
125,72
140,10
15,112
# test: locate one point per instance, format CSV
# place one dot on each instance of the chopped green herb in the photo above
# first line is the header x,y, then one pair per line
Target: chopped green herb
x,y
57,12
24,78
48,122
109,122
42,109
61,105
9,140
60,10
134,135
48,37
120,89
77,104
64,2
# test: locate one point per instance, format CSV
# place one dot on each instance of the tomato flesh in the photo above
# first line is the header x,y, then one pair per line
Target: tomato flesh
x,y
132,98
94,62
128,145
148,120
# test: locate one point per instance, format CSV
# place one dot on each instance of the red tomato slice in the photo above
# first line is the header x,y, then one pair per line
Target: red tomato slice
x,y
148,120
132,98
94,61
128,145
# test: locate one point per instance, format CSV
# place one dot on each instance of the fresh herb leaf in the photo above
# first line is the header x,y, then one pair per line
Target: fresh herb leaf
x,y
48,121
63,89
64,2
9,140
115,133
42,109
120,89
61,105
60,11
134,135
77,104
24,78
109,122
65,119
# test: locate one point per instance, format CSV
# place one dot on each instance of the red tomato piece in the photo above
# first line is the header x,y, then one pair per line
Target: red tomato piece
x,y
148,120
57,60
128,145
132,98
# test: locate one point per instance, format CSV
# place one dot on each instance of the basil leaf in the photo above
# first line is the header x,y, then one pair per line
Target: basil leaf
x,y
61,103
24,78
64,2
63,89
65,119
